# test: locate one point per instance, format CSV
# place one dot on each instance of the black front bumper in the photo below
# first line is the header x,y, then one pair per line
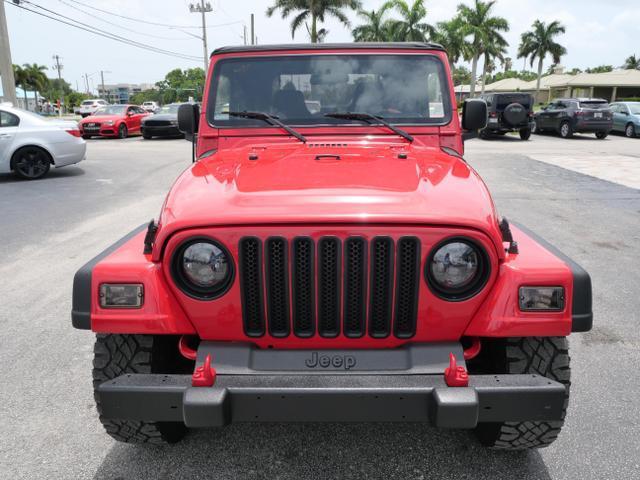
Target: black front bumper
x,y
409,390
161,130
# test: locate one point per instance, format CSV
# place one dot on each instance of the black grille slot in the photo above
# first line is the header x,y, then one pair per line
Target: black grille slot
x,y
250,259
355,286
277,281
329,286
407,284
381,286
303,287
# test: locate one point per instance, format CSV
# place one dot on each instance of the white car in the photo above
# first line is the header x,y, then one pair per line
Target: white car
x,y
151,107
31,144
88,107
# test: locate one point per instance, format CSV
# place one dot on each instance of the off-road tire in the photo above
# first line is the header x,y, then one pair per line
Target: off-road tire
x,y
602,135
547,356
525,134
115,355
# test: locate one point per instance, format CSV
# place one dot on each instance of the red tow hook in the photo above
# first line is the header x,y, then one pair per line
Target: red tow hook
x,y
204,375
455,375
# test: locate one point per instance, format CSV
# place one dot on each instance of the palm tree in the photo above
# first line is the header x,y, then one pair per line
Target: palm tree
x,y
632,63
483,29
313,10
495,47
411,27
20,76
451,36
36,78
375,28
540,42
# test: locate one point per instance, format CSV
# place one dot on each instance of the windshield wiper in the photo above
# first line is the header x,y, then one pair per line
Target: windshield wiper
x,y
271,119
371,119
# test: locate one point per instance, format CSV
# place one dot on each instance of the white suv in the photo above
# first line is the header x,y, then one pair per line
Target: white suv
x,y
151,107
88,107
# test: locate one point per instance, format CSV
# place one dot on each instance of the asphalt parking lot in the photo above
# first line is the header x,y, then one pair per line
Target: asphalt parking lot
x,y
49,427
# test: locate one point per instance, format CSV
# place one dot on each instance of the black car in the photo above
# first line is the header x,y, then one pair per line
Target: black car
x,y
508,112
164,123
567,116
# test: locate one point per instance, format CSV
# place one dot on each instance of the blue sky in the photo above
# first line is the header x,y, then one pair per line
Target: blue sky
x,y
598,32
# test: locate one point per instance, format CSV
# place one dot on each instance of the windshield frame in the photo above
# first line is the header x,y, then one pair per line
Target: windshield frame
x,y
448,104
634,108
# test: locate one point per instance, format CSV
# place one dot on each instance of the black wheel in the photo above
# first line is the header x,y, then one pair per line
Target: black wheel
x,y
122,131
630,131
525,133
602,135
484,134
547,356
565,130
115,355
31,163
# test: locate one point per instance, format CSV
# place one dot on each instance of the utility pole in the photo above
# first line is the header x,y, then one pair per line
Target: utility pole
x,y
244,33
6,67
102,72
86,83
58,67
253,36
203,8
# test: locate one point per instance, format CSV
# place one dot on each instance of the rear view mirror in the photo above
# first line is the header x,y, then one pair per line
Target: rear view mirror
x,y
188,118
474,117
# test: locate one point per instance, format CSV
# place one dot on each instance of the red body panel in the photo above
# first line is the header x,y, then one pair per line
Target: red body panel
x,y
369,191
494,311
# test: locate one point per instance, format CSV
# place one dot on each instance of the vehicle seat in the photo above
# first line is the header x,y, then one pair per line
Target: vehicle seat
x,y
289,103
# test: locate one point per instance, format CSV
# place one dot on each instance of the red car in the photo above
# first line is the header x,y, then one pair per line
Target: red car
x,y
113,121
339,263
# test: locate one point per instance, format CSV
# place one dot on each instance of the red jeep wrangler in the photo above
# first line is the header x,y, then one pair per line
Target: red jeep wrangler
x,y
330,256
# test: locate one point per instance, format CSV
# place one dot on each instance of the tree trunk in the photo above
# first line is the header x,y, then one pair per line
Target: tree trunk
x,y
474,72
314,28
539,77
484,71
26,100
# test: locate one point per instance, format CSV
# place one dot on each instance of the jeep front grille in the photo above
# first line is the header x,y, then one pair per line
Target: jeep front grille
x,y
333,286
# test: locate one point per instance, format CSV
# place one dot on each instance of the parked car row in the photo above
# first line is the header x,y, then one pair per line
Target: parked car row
x,y
509,112
120,121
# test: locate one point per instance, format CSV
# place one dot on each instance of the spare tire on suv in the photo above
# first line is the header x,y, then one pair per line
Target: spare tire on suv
x,y
508,112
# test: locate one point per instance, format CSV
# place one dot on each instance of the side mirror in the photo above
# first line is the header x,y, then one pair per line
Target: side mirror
x,y
188,118
474,117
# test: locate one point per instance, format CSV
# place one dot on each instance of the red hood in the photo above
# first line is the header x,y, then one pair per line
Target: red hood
x,y
100,118
289,183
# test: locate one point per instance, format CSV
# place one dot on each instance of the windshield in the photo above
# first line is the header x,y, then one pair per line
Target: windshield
x,y
87,102
300,90
634,108
173,108
111,110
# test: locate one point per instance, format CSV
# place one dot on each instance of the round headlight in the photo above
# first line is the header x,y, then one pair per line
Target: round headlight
x,y
202,268
457,269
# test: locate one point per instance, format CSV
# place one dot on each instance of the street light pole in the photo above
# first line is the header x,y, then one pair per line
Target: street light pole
x,y
58,67
6,66
203,8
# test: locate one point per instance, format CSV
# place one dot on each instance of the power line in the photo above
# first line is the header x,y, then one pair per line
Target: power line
x,y
102,33
137,20
92,15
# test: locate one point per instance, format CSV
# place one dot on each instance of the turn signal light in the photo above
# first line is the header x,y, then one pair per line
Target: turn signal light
x,y
541,298
121,295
